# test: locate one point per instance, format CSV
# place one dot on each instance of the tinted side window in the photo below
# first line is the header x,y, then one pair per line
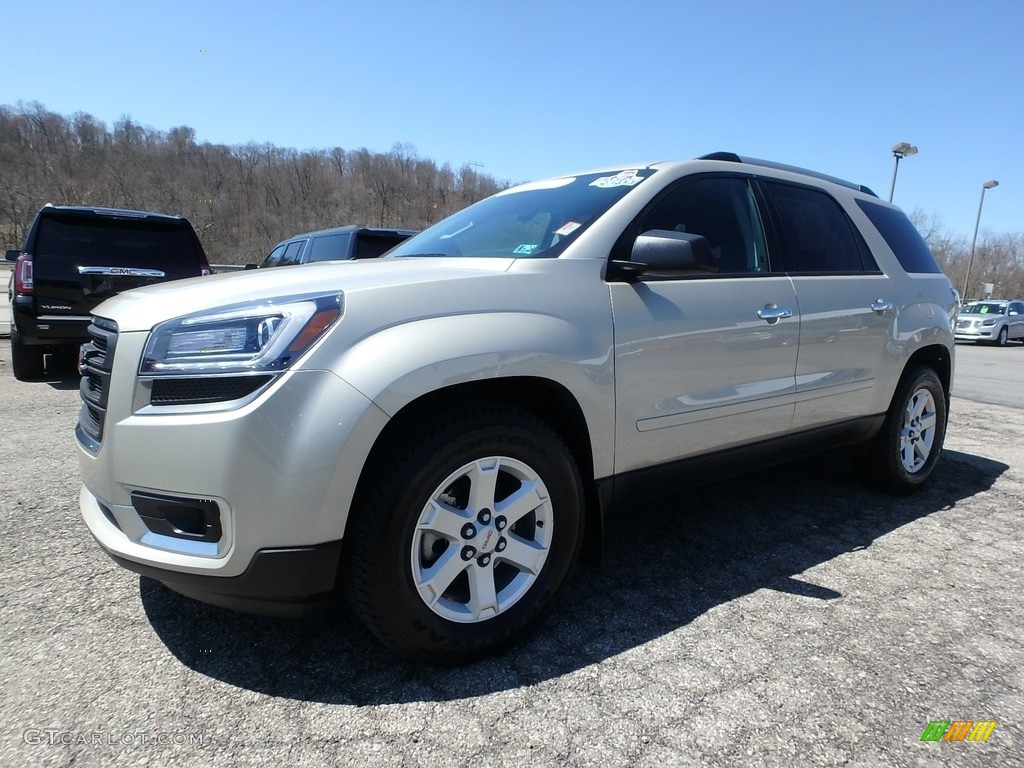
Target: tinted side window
x,y
274,259
723,211
291,253
818,236
329,248
902,237
370,246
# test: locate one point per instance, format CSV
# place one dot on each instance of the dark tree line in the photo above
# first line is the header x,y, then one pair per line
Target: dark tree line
x,y
241,199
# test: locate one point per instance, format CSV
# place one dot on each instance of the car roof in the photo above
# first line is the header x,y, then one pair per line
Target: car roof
x,y
720,161
348,230
59,211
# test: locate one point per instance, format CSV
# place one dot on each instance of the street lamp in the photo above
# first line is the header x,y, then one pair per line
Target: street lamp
x,y
970,261
899,151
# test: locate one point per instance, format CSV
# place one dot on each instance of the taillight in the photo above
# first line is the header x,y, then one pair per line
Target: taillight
x,y
23,285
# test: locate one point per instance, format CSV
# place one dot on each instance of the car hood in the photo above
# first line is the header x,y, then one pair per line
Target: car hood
x,y
143,308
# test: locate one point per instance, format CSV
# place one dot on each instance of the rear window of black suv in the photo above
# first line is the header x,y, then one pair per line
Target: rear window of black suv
x,y
119,242
902,238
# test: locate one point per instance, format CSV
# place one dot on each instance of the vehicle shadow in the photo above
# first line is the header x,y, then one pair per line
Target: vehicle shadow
x,y
63,380
665,565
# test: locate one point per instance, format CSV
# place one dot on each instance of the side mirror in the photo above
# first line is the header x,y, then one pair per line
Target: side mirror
x,y
251,266
661,251
12,255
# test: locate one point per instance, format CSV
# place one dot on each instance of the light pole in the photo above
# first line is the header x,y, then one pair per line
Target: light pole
x,y
899,151
970,261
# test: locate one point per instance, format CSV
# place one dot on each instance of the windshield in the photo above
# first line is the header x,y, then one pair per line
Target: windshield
x,y
984,308
535,220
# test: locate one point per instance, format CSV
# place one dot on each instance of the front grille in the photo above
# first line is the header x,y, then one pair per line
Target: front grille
x,y
97,361
204,390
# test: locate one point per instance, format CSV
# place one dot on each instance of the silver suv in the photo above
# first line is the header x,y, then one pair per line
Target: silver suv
x,y
991,322
435,433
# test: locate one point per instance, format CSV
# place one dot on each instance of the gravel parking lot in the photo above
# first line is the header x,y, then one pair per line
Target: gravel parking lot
x,y
788,618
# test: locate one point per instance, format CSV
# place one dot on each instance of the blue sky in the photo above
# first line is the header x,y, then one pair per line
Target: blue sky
x,y
534,89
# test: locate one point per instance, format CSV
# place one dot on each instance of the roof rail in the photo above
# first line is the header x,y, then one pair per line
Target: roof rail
x,y
732,157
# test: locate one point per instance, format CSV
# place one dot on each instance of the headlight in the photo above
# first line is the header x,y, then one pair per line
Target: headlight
x,y
245,338
990,322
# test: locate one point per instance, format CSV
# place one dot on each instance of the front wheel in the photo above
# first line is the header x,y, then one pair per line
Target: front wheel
x,y
1001,339
464,535
904,452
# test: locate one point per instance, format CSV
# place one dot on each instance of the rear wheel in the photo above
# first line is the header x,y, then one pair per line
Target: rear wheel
x,y
26,361
465,534
904,452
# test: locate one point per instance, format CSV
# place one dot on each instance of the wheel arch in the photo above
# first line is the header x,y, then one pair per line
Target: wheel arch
x,y
937,357
546,399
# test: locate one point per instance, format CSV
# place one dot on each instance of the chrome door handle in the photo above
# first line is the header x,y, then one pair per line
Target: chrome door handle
x,y
880,306
772,313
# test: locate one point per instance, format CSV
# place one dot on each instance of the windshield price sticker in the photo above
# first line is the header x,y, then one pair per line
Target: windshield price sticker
x,y
620,179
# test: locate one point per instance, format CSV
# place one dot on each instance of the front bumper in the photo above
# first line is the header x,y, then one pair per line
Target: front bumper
x,y
983,333
278,582
280,470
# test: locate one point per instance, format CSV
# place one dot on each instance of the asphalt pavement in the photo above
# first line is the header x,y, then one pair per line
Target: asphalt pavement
x,y
786,618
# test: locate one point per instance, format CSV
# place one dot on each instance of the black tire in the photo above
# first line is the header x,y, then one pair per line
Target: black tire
x,y
894,460
1001,339
26,361
389,541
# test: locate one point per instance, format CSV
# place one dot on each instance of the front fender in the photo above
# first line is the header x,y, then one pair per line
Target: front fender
x,y
399,364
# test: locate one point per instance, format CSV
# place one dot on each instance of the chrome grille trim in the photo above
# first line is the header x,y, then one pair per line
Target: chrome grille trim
x,y
96,363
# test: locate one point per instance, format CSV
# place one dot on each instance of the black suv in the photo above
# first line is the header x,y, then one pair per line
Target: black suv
x,y
336,244
76,257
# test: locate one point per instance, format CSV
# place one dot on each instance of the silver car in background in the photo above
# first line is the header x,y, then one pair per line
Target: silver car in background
x,y
991,322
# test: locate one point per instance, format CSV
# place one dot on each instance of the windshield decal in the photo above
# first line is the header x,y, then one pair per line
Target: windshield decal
x,y
568,228
620,179
525,249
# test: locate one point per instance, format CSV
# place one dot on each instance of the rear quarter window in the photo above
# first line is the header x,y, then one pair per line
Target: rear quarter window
x,y
902,238
372,245
329,247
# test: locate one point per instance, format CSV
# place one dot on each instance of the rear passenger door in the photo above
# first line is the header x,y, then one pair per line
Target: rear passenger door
x,y
846,304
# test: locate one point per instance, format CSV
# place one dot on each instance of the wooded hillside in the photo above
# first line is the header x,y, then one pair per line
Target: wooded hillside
x,y
241,199
244,199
